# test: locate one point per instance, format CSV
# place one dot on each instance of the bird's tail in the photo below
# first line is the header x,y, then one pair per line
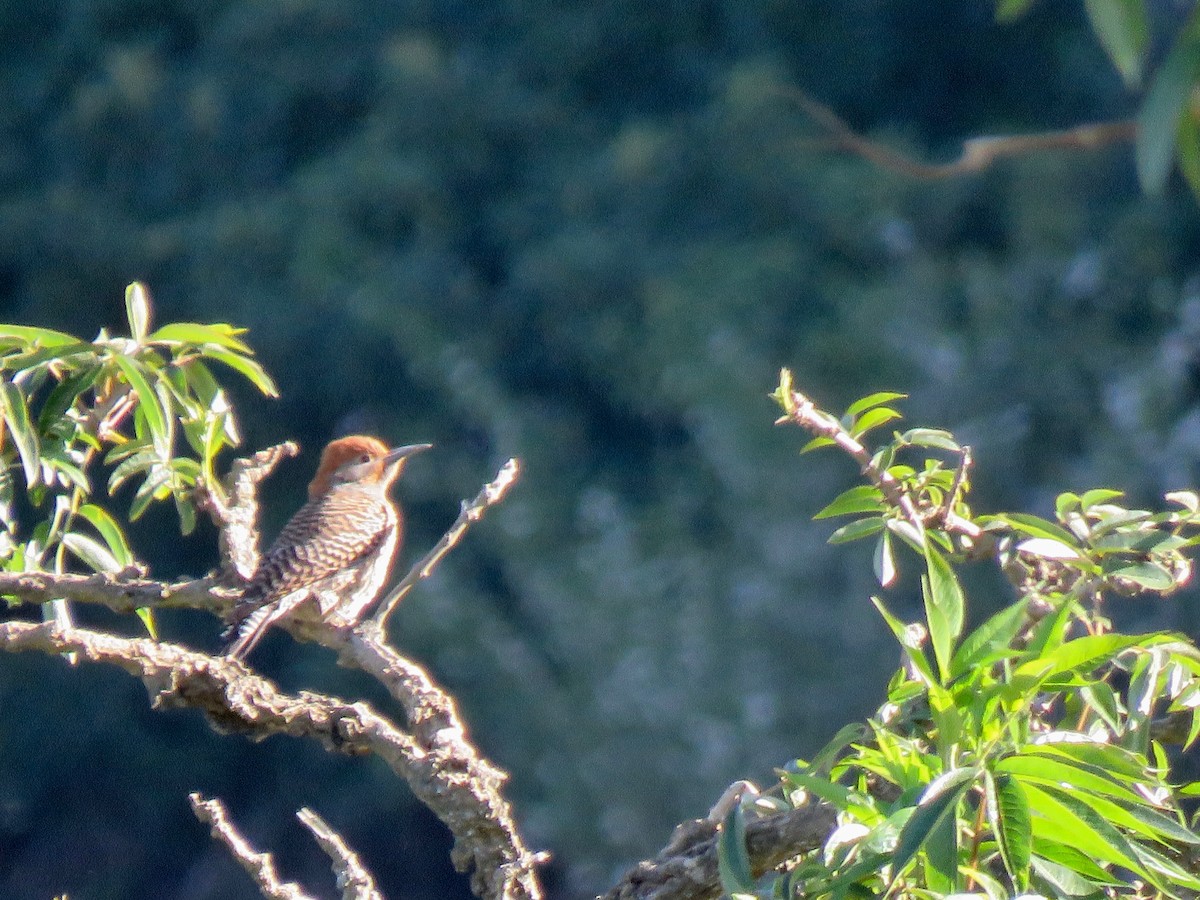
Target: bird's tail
x,y
243,635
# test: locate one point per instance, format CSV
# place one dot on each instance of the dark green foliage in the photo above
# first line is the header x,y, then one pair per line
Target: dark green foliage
x,y
1033,756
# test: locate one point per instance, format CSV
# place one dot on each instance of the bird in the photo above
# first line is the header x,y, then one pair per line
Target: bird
x,y
338,547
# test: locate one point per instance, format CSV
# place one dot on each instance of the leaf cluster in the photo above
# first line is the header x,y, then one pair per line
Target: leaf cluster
x,y
1029,756
143,409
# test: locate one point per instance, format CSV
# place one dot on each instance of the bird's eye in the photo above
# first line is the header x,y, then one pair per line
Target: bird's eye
x,y
365,458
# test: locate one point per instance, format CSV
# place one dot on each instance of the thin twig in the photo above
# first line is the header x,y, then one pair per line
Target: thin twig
x,y
259,866
977,153
352,876
803,412
491,494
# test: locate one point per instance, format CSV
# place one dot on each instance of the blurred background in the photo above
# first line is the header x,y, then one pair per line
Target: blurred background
x,y
586,233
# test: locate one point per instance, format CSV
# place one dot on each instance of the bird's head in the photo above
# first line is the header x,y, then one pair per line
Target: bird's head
x,y
360,458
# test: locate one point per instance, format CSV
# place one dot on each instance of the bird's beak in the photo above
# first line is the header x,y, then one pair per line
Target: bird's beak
x,y
401,453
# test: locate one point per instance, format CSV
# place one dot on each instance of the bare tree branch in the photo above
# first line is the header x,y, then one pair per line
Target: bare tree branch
x,y
352,876
259,866
443,770
686,869
977,154
491,494
235,509
123,596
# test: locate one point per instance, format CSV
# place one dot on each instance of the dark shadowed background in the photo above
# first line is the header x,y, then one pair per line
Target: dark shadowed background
x,y
587,234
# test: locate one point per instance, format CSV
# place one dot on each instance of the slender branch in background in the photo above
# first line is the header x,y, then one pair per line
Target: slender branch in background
x,y
259,866
491,494
977,154
352,877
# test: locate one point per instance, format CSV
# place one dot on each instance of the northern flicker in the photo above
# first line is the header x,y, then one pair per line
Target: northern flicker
x,y
337,549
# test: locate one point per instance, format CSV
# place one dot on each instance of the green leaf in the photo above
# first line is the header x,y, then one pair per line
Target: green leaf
x,y
155,487
1067,880
943,607
861,498
938,804
1150,576
146,614
35,337
16,415
1158,119
884,560
1034,527
147,402
873,418
247,367
989,641
871,400
733,861
142,458
846,735
93,554
1064,819
931,437
906,636
1008,814
1124,32
108,528
817,443
1099,495
137,310
860,528
1044,769
1082,654
178,333
64,395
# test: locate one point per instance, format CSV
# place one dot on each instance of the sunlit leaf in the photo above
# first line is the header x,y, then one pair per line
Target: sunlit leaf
x,y
16,417
91,552
870,401
943,607
939,803
884,560
148,403
137,310
1150,576
861,498
989,640
146,614
108,528
873,418
247,367
192,333
36,337
857,529
817,442
1008,814
931,437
